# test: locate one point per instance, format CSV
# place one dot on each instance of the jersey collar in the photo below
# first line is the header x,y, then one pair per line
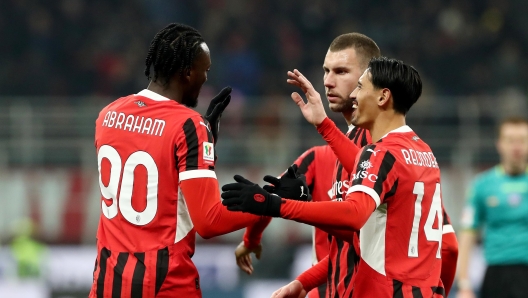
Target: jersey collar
x,y
401,129
152,95
350,127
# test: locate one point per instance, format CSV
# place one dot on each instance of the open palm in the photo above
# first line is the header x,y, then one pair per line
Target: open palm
x,y
313,110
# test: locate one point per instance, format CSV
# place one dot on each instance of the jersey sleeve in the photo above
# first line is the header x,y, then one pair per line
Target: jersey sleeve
x,y
374,174
473,211
306,165
194,150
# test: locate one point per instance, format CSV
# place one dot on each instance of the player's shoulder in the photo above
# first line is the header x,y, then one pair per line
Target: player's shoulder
x,y
487,176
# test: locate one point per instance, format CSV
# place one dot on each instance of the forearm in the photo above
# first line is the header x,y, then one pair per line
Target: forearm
x,y
467,241
209,216
343,148
315,276
350,214
254,232
449,260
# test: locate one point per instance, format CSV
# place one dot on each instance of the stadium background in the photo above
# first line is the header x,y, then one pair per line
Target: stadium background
x,y
62,61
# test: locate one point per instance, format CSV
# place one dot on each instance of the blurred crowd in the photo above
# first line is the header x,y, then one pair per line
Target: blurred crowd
x,y
98,47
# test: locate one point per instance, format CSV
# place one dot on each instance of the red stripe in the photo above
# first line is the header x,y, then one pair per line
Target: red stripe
x,y
74,211
128,272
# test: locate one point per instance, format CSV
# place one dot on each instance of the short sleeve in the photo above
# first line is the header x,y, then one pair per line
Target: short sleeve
x,y
473,211
373,173
194,150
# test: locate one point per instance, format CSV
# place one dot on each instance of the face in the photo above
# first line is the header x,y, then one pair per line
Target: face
x,y
197,76
342,70
513,144
365,98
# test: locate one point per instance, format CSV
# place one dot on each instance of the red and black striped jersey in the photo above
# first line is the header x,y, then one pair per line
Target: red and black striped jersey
x,y
344,257
400,243
146,145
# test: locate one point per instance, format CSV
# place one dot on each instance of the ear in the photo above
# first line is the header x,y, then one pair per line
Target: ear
x,y
187,74
385,97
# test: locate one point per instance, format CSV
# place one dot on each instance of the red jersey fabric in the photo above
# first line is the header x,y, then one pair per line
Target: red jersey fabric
x,y
401,241
158,186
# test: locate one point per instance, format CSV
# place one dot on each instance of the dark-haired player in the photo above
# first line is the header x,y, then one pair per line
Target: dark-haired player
x,y
156,173
394,199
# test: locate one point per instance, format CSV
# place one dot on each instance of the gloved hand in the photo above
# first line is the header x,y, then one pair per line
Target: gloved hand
x,y
291,185
247,196
215,110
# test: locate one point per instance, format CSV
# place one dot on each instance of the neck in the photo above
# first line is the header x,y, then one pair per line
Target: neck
x,y
514,168
385,123
348,117
172,93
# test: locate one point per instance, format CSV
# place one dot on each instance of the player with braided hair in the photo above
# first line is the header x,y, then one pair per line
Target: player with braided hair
x,y
156,174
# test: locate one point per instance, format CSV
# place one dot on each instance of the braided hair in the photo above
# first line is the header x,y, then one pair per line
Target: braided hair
x,y
172,51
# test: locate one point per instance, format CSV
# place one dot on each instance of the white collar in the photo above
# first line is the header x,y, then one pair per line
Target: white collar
x,y
401,129
350,127
152,95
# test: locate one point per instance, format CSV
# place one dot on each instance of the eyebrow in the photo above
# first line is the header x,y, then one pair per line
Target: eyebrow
x,y
359,83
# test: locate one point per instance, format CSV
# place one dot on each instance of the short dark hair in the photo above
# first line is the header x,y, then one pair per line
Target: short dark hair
x,y
401,79
365,47
172,51
514,120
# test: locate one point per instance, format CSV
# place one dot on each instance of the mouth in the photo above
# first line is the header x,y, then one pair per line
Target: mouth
x,y
332,98
355,105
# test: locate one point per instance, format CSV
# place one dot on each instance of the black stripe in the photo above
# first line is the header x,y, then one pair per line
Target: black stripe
x,y
191,138
162,267
439,290
118,274
329,283
356,137
175,156
397,289
365,155
364,140
103,257
138,276
446,219
210,138
95,268
306,162
322,291
338,266
386,166
352,261
416,292
392,191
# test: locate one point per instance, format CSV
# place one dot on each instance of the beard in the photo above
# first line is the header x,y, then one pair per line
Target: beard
x,y
344,106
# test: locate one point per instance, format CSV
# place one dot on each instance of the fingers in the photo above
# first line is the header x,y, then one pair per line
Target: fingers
x,y
232,186
219,108
217,99
272,179
292,171
243,180
269,188
298,99
244,263
231,198
258,253
234,208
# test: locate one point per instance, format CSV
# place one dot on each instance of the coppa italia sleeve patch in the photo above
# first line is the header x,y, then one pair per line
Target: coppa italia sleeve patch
x,y
208,151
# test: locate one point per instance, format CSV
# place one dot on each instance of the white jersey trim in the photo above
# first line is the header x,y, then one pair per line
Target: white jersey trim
x,y
369,191
197,174
401,129
446,229
184,223
372,241
152,95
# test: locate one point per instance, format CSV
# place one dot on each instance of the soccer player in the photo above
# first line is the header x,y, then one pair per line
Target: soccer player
x,y
498,202
156,173
394,199
345,61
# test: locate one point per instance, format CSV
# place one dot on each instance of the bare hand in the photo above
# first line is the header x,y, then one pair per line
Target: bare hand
x,y
313,110
467,293
243,256
292,290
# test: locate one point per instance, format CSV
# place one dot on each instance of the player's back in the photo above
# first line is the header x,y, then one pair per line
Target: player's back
x,y
145,144
401,241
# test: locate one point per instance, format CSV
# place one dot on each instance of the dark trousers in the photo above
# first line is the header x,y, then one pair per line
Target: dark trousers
x,y
505,281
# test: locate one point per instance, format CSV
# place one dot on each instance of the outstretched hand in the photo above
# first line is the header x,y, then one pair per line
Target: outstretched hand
x,y
215,110
291,185
247,196
313,110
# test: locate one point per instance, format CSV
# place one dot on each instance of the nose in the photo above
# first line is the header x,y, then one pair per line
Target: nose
x,y
329,81
353,94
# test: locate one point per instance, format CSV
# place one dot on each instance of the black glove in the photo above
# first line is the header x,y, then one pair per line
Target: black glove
x,y
247,196
291,185
215,110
